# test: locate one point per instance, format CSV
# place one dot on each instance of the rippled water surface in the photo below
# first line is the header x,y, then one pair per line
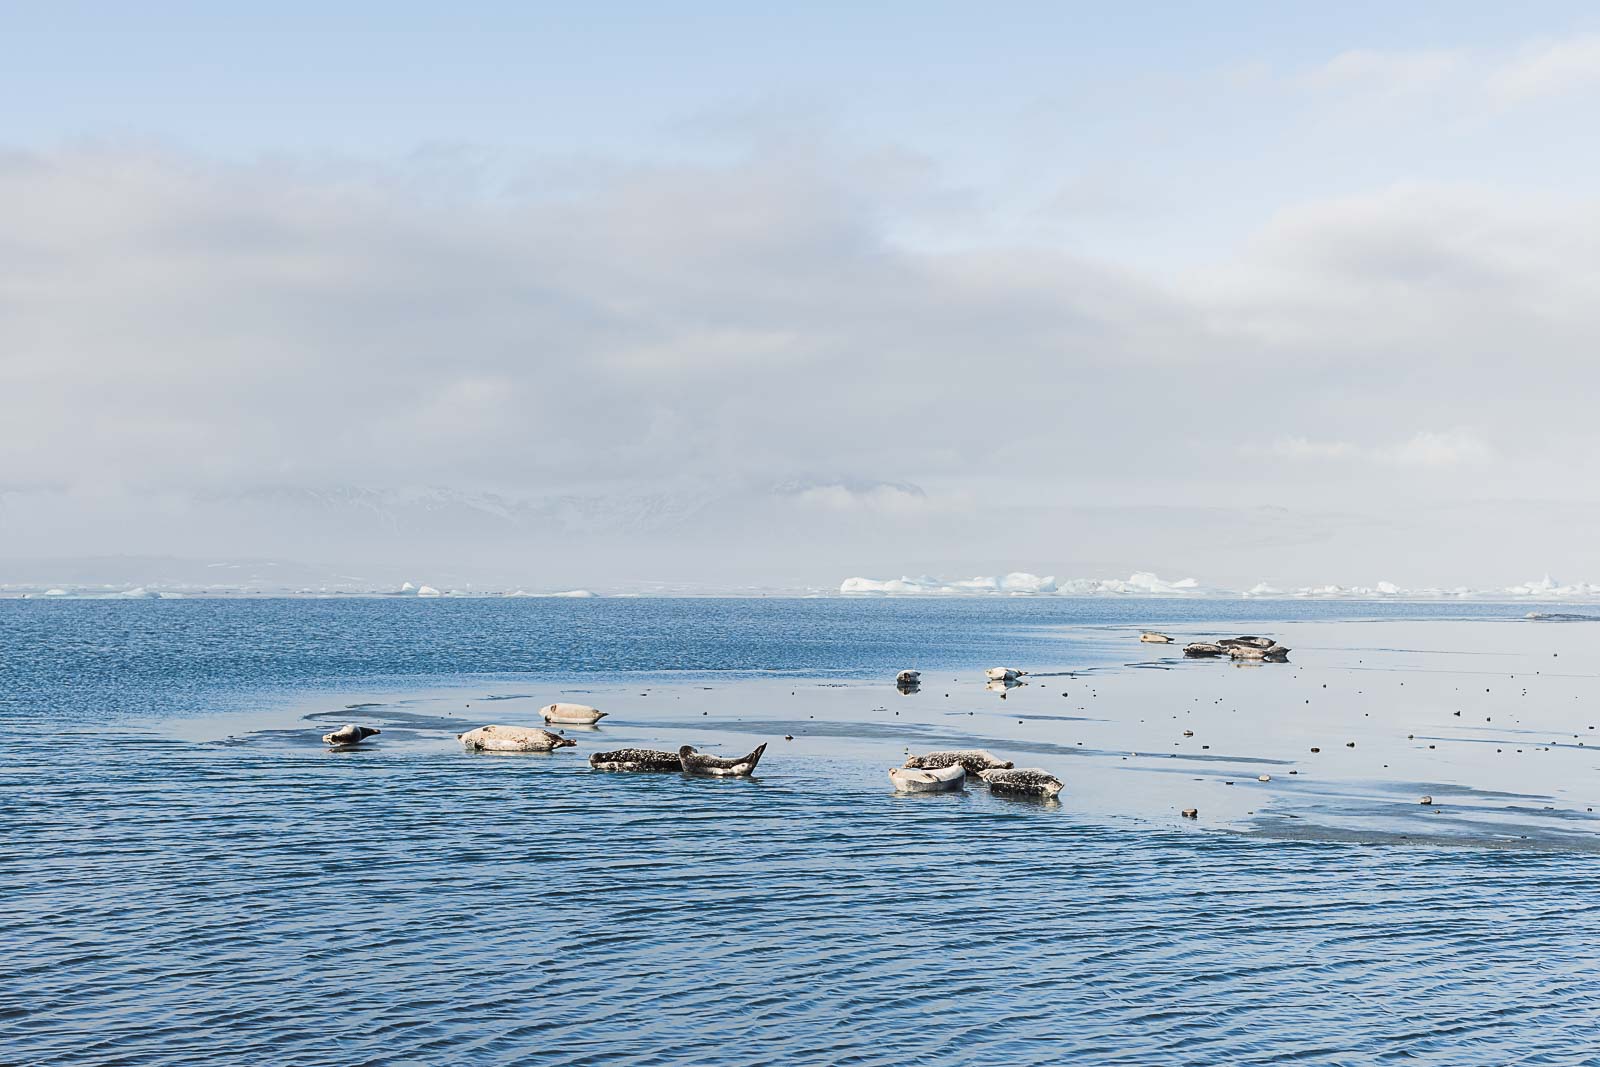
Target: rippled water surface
x,y
189,876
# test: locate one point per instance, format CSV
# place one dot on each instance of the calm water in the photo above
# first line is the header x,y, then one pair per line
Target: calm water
x,y
248,897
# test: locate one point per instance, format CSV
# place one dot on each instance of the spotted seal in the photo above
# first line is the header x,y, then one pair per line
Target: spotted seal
x,y
1024,782
702,763
1246,642
636,759
971,760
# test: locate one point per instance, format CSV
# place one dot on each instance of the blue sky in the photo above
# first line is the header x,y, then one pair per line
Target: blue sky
x,y
1210,111
1345,254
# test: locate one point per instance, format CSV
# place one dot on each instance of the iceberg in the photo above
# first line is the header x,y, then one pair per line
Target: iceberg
x,y
571,594
1149,584
1016,583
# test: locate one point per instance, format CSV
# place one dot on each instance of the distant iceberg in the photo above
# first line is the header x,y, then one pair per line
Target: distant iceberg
x,y
571,594
1146,583
1017,583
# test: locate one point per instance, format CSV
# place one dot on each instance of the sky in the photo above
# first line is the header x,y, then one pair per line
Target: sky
x,y
707,296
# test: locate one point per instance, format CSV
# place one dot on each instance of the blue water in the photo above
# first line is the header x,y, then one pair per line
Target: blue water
x,y
259,900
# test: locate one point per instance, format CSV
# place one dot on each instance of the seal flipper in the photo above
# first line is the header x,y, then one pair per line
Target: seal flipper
x,y
754,757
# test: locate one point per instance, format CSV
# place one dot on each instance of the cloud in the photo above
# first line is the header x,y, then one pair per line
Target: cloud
x,y
1423,449
1440,450
339,361
1388,72
884,497
1469,80
1546,69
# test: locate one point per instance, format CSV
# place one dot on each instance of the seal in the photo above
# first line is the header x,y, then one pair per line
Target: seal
x,y
1003,674
576,714
908,678
1246,652
1026,782
1278,654
1202,650
348,735
912,780
700,763
636,759
971,760
1150,637
1247,642
513,739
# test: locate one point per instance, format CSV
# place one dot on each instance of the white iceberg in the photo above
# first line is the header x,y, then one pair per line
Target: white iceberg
x,y
1017,583
571,594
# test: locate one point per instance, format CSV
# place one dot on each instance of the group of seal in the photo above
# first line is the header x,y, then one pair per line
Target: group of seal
x,y
937,772
1240,648
928,773
501,738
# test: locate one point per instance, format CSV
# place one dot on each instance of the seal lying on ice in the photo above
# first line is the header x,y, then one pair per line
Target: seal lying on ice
x,y
912,780
513,739
348,735
971,760
701,763
1027,782
636,759
577,714
1247,642
908,678
1202,650
1003,674
1150,637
